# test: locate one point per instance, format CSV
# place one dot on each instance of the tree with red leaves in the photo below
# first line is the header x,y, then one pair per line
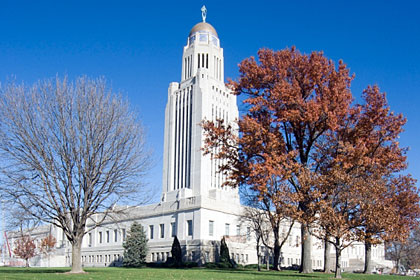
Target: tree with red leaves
x,y
25,248
293,101
47,246
361,193
316,158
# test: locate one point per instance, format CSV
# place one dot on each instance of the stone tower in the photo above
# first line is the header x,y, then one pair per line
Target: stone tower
x,y
200,95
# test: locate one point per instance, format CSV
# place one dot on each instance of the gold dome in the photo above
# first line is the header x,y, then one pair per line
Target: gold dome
x,y
203,26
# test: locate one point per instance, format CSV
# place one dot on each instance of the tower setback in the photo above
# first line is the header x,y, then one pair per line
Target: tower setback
x,y
201,95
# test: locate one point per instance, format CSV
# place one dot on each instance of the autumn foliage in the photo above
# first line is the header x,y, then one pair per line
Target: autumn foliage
x,y
25,248
47,244
318,158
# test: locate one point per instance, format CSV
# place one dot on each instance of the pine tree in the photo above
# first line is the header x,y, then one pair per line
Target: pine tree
x,y
135,247
176,252
224,252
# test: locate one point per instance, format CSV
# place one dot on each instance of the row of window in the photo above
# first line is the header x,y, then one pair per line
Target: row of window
x,y
102,258
187,67
217,178
227,230
204,58
290,241
182,138
106,236
290,261
217,68
240,258
189,226
159,256
317,263
204,37
120,235
163,256
202,62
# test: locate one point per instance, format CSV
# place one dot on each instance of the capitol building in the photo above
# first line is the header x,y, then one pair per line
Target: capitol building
x,y
194,206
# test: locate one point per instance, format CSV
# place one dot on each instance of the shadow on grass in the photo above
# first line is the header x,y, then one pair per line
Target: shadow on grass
x,y
4,270
268,273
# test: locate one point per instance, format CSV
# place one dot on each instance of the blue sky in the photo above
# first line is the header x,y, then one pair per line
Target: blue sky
x,y
138,45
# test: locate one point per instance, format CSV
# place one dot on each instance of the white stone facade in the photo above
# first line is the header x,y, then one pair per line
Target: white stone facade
x,y
194,206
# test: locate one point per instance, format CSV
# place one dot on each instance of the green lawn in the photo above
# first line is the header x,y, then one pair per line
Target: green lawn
x,y
170,274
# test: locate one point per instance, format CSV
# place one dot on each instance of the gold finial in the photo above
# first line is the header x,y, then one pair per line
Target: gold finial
x,y
204,13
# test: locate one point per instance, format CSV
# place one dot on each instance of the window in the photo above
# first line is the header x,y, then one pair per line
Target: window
x,y
248,234
90,239
123,234
297,241
227,229
151,232
211,225
100,237
173,229
238,230
162,230
189,227
107,236
115,235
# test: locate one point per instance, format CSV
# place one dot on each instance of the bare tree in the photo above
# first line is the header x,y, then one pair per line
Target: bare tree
x,y
70,150
256,219
267,220
20,221
406,253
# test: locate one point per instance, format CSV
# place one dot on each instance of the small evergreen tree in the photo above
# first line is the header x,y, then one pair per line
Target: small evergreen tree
x,y
176,252
224,252
135,247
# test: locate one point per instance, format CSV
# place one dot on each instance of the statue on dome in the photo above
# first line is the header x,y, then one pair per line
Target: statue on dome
x,y
204,13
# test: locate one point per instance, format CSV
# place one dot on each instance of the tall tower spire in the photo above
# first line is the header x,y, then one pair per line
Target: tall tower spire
x,y
201,95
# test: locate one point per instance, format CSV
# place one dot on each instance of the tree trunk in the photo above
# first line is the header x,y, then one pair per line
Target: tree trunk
x,y
368,258
306,263
27,263
337,259
258,254
397,265
276,265
259,266
268,261
76,259
327,258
